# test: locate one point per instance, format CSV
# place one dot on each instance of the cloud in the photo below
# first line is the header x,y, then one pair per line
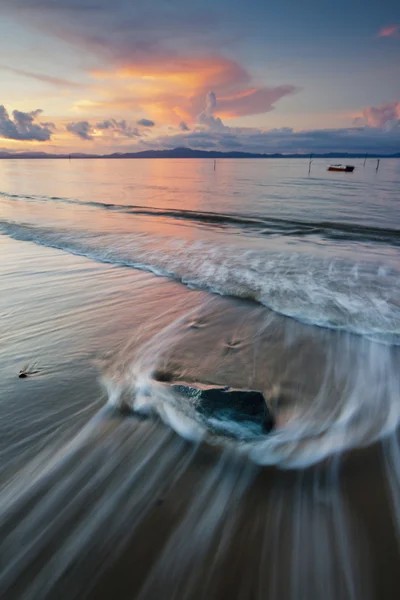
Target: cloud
x,y
389,31
161,56
173,89
207,117
146,123
82,129
50,125
248,102
284,140
384,116
118,127
254,101
373,134
57,81
122,28
24,126
111,127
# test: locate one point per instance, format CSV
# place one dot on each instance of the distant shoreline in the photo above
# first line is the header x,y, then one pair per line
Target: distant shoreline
x,y
189,153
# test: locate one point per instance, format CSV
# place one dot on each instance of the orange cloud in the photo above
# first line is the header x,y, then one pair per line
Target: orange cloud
x,y
173,89
157,61
390,31
189,75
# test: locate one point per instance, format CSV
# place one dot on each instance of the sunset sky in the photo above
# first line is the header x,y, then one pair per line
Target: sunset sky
x,y
126,75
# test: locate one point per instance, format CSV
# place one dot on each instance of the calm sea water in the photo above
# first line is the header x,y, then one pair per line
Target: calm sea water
x,y
253,275
320,248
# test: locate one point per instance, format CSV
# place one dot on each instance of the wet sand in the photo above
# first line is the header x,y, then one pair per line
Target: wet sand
x,y
135,512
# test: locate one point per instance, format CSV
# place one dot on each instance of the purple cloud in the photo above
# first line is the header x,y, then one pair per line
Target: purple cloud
x,y
389,31
57,81
284,140
118,127
23,126
146,123
82,129
255,101
385,115
50,125
86,130
246,103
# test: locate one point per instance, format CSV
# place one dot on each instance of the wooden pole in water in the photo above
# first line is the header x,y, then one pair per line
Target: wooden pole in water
x,y
365,159
215,164
377,164
309,164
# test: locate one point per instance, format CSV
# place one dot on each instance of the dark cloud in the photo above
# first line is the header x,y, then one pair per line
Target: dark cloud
x,y
203,144
105,124
61,6
57,81
82,129
50,125
211,132
118,127
146,123
23,126
122,30
285,140
183,126
86,130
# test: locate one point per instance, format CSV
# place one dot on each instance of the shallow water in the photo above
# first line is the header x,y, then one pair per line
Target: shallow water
x,y
307,310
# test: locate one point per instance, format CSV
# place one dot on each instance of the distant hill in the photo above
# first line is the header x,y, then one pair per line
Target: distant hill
x,y
189,153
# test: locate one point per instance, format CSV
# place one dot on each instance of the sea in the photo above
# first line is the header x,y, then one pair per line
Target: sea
x,y
121,279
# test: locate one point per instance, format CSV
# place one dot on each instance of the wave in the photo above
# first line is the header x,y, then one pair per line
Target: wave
x,y
271,225
356,297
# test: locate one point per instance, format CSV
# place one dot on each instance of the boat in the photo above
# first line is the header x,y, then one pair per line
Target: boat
x,y
341,168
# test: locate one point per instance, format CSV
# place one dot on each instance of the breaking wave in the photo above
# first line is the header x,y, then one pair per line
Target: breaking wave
x,y
361,298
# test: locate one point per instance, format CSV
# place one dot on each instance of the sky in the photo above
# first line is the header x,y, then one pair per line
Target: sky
x,y
102,76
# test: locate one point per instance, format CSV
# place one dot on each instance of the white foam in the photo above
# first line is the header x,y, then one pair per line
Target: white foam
x,y
361,298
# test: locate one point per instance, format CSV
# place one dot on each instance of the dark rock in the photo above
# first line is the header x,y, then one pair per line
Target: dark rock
x,y
22,375
163,376
240,405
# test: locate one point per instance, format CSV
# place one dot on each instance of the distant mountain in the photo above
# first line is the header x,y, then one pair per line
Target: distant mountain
x,y
46,155
189,153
